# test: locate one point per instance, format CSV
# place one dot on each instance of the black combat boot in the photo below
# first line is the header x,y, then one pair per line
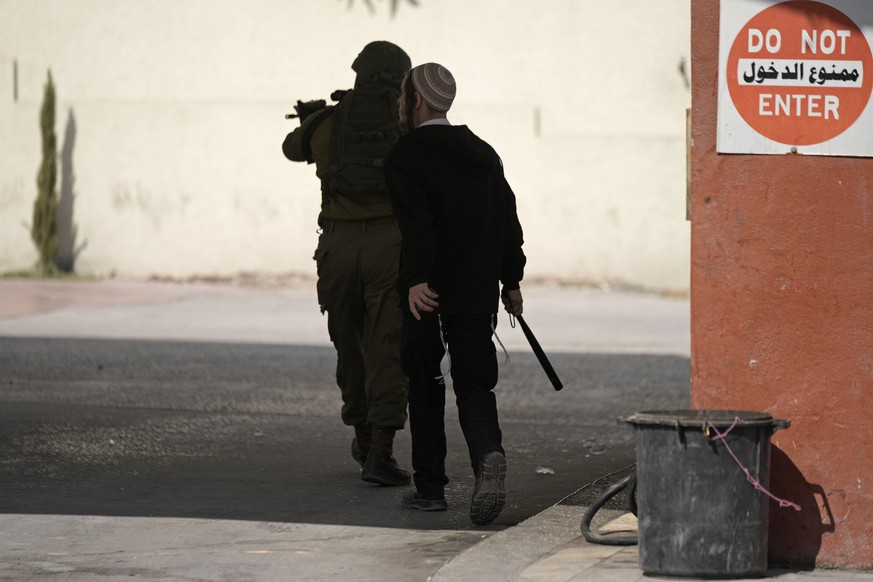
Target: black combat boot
x,y
361,443
381,467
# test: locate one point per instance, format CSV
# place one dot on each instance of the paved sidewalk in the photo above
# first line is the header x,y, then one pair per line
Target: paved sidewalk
x,y
547,547
602,322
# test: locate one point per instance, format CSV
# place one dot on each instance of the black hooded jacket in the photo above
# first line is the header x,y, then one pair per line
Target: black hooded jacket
x,y
457,216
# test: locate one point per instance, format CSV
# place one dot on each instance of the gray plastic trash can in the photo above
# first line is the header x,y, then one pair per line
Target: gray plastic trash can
x,y
699,515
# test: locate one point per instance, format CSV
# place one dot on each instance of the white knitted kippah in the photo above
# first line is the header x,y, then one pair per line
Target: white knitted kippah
x,y
435,84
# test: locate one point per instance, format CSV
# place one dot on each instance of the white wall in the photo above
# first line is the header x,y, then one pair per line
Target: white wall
x,y
178,112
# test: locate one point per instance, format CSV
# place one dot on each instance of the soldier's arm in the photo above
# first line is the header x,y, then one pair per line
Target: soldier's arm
x,y
296,146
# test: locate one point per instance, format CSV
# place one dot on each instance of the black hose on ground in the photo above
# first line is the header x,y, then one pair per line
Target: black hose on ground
x,y
629,481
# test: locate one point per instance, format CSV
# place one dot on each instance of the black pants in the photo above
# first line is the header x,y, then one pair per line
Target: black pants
x,y
474,376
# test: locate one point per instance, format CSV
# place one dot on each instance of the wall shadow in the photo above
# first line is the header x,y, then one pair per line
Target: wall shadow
x,y
67,230
795,536
395,4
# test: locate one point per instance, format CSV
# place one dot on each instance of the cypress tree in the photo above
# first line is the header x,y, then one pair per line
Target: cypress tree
x,y
44,230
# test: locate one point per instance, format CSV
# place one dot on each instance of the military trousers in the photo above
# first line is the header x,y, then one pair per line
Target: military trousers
x,y
357,265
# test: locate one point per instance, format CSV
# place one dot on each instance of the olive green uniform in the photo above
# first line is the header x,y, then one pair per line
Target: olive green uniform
x,y
357,258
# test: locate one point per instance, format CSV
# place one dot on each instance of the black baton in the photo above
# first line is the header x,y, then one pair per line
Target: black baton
x,y
541,355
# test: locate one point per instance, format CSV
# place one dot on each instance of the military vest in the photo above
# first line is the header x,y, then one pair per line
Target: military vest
x,y
364,127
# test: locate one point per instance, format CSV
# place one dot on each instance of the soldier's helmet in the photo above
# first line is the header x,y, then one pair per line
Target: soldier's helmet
x,y
381,62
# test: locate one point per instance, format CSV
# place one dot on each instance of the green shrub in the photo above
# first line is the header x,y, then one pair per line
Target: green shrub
x,y
44,230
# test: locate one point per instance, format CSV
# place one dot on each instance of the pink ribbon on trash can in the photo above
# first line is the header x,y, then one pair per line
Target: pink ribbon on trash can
x,y
719,436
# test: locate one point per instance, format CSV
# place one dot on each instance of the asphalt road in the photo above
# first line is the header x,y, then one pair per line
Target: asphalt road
x,y
249,433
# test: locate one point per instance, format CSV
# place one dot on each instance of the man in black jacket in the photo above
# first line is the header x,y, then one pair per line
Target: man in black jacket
x,y
461,239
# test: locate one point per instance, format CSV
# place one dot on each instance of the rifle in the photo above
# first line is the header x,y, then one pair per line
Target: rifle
x,y
306,108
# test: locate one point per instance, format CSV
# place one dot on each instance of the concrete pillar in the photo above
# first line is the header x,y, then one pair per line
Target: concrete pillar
x,y
782,318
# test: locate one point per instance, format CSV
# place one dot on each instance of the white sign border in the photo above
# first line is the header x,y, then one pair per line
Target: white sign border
x,y
735,136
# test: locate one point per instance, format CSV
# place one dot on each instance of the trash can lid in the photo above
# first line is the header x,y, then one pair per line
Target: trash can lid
x,y
699,418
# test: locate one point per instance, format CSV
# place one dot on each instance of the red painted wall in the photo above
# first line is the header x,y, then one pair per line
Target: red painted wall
x,y
782,318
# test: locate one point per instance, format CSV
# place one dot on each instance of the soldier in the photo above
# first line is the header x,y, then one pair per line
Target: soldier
x,y
358,252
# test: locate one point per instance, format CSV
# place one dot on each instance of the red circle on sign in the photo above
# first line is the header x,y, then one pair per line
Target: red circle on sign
x,y
823,72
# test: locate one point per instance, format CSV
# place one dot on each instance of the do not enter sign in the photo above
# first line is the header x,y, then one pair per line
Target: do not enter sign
x,y
799,76
796,72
